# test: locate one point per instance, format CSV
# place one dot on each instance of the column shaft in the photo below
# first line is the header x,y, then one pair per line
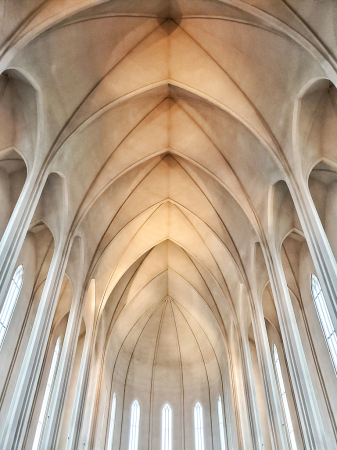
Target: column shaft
x,y
309,415
16,231
319,246
14,428
51,429
253,413
275,418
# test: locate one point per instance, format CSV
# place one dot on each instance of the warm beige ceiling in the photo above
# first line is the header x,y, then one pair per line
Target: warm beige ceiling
x,y
169,121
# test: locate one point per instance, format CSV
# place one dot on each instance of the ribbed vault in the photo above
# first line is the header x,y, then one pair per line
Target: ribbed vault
x,y
160,141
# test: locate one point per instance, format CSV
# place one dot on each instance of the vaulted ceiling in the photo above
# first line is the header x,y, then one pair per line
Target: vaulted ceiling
x,y
169,121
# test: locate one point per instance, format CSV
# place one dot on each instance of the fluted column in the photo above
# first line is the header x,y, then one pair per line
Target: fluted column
x,y
51,429
275,418
16,230
13,429
80,395
84,372
318,244
309,415
253,413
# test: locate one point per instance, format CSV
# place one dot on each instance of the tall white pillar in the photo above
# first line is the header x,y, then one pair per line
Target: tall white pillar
x,y
318,244
16,230
84,372
250,394
307,406
275,418
64,370
14,427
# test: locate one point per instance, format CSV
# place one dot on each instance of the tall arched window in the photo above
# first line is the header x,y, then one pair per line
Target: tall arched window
x,y
198,427
221,425
166,428
134,426
47,395
325,319
286,411
112,421
10,302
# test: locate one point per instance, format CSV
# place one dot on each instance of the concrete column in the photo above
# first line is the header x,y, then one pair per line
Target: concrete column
x,y
233,368
55,413
81,394
84,372
309,415
14,427
275,418
16,230
318,244
253,412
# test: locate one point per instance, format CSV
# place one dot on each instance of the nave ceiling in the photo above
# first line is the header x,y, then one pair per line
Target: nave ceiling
x,y
168,123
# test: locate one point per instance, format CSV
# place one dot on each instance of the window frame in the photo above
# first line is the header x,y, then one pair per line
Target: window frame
x,y
10,302
221,423
199,438
134,425
166,427
328,330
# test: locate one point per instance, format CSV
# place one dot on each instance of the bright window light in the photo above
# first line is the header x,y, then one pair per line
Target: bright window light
x,y
221,425
112,421
284,399
134,426
47,395
198,427
10,302
166,425
325,319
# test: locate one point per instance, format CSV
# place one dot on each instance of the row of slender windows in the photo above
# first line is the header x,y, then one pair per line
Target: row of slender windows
x,y
166,440
328,331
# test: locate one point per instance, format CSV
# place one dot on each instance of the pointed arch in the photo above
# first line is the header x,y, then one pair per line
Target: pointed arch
x,y
166,428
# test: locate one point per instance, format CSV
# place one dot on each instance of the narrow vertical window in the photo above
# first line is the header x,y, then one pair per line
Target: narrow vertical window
x,y
325,319
282,390
47,395
166,425
221,425
134,426
112,421
10,302
198,427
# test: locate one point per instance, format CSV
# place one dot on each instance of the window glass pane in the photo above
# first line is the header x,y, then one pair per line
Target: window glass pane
x,y
325,319
47,395
221,424
166,434
198,427
134,426
284,400
112,421
10,302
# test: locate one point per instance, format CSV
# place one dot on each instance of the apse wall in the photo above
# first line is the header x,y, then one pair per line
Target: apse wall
x,y
166,360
